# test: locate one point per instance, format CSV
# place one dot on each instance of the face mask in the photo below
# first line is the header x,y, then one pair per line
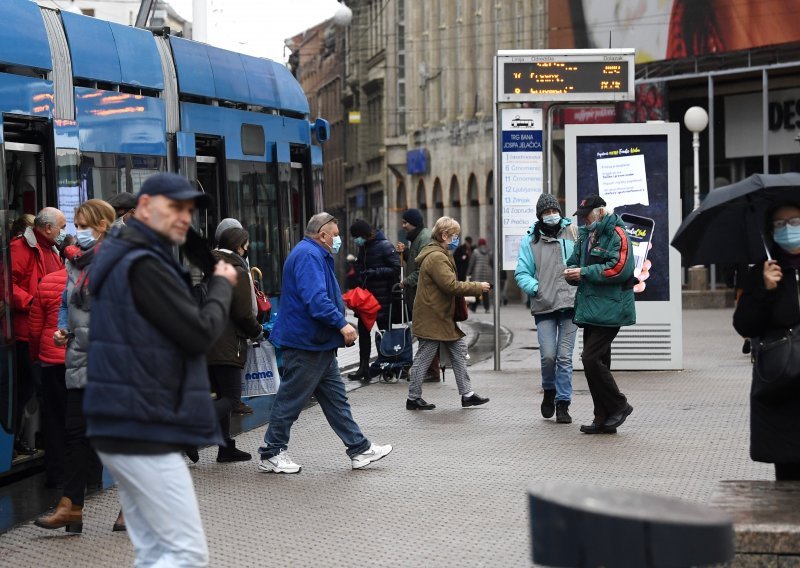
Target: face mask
x,y
591,226
551,219
788,238
60,237
453,245
359,241
85,239
337,244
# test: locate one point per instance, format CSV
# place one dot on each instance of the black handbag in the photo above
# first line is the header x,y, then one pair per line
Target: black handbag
x,y
776,362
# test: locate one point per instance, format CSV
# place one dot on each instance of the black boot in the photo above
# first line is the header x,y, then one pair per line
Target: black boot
x,y
362,372
549,403
229,453
562,412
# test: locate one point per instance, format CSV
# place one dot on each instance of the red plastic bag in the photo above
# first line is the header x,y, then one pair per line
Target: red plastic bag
x,y
263,304
364,304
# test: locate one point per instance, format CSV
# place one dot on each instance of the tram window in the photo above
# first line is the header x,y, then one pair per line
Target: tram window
x,y
68,185
253,200
104,175
24,174
253,143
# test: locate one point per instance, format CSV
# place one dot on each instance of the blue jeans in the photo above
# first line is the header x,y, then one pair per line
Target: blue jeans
x,y
161,511
306,373
556,332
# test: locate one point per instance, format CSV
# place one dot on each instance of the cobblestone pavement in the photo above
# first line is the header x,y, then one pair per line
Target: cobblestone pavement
x,y
454,491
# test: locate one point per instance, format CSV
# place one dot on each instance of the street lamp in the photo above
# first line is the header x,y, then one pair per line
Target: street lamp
x,y
343,15
696,120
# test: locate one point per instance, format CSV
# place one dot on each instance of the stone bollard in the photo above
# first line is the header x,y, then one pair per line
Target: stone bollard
x,y
594,526
698,278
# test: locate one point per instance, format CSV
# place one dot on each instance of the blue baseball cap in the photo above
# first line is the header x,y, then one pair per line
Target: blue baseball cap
x,y
175,187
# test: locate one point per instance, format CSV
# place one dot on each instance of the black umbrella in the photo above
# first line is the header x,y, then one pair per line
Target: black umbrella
x,y
728,227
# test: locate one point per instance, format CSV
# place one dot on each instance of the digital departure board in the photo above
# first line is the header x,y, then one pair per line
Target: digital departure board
x,y
566,75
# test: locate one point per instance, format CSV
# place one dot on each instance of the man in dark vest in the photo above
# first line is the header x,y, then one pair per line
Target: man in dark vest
x,y
147,399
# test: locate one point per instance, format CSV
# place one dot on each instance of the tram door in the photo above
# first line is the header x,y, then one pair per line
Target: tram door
x,y
23,190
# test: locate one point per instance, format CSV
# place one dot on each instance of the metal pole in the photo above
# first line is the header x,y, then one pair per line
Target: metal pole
x,y
696,151
497,219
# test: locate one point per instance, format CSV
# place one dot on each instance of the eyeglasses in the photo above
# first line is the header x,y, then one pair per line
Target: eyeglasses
x,y
781,223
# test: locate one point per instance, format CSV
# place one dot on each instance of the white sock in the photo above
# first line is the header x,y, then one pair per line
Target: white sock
x,y
469,394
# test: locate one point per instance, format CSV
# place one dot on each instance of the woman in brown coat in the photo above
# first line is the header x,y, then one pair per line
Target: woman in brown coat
x,y
228,356
433,324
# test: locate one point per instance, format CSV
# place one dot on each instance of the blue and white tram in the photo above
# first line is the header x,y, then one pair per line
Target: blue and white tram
x,y
89,108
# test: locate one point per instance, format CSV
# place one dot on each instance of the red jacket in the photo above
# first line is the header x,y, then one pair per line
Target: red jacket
x,y
27,269
43,319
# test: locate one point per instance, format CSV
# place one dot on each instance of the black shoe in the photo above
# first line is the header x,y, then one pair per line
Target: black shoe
x,y
549,403
229,453
418,404
474,400
192,454
23,449
615,420
358,375
746,346
562,412
595,428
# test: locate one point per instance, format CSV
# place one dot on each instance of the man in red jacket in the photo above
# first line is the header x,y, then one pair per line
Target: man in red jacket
x,y
32,257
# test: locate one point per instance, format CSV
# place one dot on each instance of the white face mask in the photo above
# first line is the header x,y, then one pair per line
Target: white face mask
x,y
551,219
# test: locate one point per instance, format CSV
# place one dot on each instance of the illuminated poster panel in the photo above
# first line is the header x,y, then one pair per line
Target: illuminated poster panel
x,y
634,168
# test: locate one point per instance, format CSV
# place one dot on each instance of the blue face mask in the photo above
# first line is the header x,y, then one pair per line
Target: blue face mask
x,y
551,219
60,237
337,244
85,239
453,245
359,241
788,238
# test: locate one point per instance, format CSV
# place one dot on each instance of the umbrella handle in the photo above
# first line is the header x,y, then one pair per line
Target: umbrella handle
x,y
766,248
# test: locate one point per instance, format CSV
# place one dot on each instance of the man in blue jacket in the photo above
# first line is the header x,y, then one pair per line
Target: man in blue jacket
x,y
147,399
309,329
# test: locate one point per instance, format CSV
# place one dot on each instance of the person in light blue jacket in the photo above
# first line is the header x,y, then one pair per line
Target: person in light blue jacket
x,y
540,274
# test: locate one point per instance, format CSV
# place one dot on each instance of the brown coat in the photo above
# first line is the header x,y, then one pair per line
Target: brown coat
x,y
437,288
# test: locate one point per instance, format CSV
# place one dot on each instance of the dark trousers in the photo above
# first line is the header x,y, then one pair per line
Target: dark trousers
x,y
226,381
81,464
25,386
787,472
54,412
365,336
596,359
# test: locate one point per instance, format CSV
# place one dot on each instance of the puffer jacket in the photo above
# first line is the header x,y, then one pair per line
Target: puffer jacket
x,y
231,347
43,319
480,264
605,290
77,302
378,267
28,267
436,291
540,268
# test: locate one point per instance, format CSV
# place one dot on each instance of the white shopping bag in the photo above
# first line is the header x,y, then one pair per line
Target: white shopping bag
x,y
260,375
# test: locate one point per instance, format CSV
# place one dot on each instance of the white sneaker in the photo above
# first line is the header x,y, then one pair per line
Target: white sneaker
x,y
281,463
374,453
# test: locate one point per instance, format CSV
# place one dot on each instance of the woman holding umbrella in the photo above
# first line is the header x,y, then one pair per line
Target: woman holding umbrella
x,y
770,304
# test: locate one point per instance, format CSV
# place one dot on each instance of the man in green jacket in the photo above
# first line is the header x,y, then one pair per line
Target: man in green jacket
x,y
602,266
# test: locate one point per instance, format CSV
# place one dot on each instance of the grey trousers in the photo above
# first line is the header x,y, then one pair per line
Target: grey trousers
x,y
426,351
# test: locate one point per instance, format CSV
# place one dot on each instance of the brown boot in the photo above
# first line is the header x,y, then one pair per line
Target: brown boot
x,y
119,524
66,515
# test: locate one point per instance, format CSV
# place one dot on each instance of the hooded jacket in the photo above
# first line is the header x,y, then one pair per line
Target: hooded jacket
x,y
28,267
540,269
605,290
437,288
